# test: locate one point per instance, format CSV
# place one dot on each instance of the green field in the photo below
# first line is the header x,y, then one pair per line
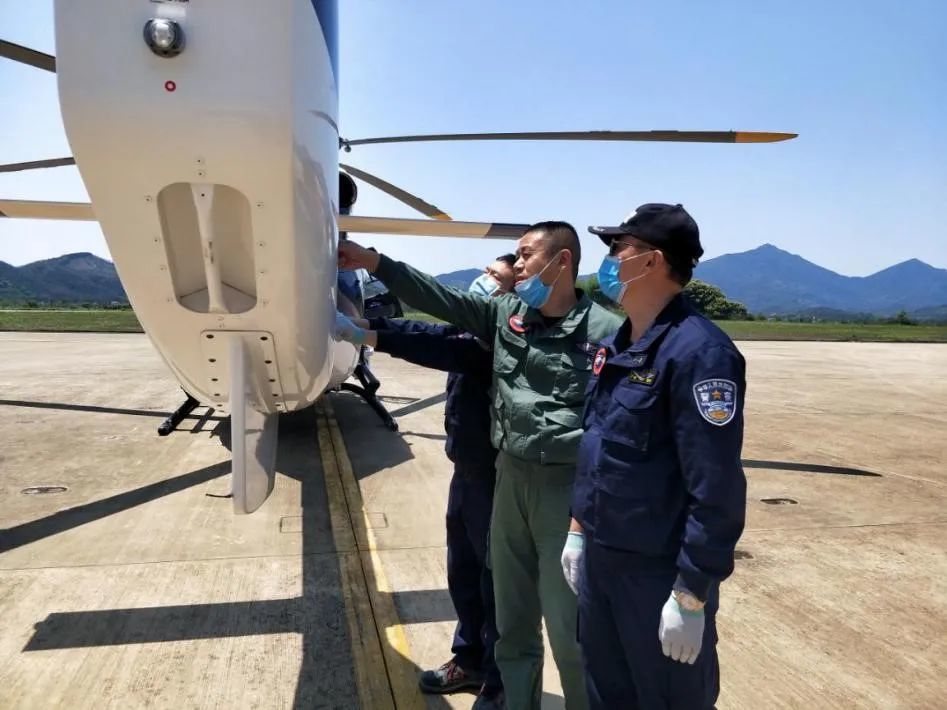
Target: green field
x,y
857,332
79,320
115,321
845,332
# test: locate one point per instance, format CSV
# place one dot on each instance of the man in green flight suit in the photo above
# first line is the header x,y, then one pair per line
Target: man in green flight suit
x,y
544,339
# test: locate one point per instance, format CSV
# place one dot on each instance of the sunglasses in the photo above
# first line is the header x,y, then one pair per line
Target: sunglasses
x,y
616,245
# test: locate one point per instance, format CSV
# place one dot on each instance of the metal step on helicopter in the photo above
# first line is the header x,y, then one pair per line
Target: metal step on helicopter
x,y
214,173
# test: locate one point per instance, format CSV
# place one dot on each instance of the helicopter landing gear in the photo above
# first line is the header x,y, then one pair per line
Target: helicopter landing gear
x,y
178,416
367,391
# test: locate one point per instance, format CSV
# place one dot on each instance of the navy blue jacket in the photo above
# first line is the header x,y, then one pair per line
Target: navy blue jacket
x,y
470,364
659,470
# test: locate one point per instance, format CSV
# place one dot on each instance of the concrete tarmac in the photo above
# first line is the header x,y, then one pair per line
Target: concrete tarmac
x,y
136,586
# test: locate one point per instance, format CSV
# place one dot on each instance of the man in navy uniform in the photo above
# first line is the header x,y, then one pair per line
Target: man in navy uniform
x,y
470,500
660,494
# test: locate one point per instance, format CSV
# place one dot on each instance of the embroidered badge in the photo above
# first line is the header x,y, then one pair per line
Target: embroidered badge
x,y
716,400
599,362
638,360
643,377
516,324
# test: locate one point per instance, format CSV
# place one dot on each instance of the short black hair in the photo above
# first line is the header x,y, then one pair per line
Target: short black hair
x,y
508,259
679,270
558,236
681,274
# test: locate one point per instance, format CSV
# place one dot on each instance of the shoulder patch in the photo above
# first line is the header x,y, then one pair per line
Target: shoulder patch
x,y
599,362
716,400
516,324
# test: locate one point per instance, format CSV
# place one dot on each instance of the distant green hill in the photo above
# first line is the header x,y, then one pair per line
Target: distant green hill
x,y
459,279
774,282
72,278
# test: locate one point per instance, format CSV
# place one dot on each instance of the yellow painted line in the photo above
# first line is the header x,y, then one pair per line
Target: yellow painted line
x,y
401,671
368,660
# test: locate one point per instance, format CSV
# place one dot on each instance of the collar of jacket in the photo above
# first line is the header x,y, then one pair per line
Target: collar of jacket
x,y
674,312
532,317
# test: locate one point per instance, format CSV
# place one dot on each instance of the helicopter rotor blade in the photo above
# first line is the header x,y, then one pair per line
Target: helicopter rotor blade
x,y
31,209
36,165
430,227
425,208
650,136
25,55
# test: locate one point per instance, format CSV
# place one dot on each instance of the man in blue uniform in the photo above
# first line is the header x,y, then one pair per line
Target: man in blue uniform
x,y
660,494
470,500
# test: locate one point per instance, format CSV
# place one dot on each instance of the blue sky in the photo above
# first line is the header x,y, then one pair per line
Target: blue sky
x,y
863,82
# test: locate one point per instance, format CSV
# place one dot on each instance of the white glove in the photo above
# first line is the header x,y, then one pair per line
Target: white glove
x,y
681,631
571,559
346,330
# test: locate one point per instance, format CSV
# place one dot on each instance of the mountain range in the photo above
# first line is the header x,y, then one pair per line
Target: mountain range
x,y
771,281
76,278
767,280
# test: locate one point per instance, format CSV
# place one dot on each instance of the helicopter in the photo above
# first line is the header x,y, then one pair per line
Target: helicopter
x,y
214,173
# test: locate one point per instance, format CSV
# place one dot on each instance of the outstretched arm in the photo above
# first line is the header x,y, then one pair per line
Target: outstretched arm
x,y
474,314
401,325
450,353
435,346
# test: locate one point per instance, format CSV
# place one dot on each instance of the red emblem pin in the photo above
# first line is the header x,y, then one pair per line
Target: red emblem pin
x,y
516,324
599,362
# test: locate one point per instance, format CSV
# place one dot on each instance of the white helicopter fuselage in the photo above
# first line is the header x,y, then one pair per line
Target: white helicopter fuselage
x,y
214,175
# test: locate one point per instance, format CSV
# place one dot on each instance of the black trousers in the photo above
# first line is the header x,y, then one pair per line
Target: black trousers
x,y
620,604
469,507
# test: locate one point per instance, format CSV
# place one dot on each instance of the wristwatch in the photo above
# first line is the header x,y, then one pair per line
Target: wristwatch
x,y
687,601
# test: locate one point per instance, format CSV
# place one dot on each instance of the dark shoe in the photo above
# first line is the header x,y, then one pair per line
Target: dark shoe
x,y
496,701
449,678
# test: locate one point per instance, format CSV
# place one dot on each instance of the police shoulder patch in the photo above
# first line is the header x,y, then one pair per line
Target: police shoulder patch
x,y
716,400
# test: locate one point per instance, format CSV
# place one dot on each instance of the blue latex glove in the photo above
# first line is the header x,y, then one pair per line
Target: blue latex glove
x,y
681,632
571,559
346,330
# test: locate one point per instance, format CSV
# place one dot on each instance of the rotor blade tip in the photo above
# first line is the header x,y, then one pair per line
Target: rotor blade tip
x,y
752,137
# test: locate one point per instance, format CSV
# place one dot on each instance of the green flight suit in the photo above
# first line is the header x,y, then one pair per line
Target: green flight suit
x,y
540,371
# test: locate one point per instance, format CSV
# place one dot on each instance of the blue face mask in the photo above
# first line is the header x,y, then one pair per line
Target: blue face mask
x,y
484,285
609,280
533,291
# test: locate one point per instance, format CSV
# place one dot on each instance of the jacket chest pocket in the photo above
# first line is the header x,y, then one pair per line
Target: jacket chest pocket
x,y
572,377
628,480
509,352
626,428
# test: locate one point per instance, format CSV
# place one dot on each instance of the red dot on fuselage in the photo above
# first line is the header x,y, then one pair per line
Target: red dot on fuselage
x,y
170,86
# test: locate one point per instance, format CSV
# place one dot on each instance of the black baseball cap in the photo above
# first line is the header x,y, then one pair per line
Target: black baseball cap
x,y
666,227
